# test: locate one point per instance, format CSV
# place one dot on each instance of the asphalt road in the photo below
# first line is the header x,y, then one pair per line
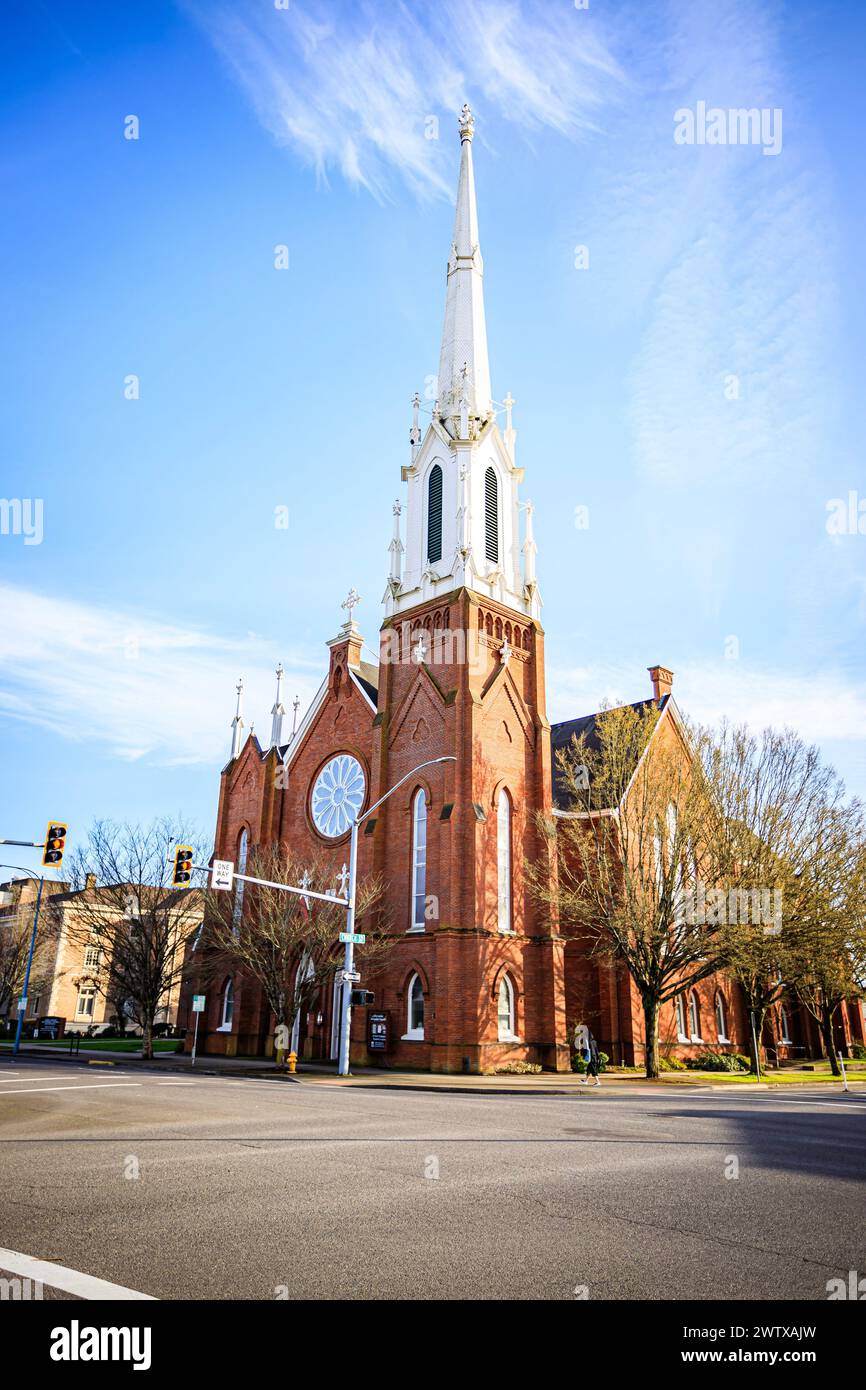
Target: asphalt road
x,y
230,1188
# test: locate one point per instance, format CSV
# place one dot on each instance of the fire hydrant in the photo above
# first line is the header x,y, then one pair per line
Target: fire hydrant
x,y
293,1061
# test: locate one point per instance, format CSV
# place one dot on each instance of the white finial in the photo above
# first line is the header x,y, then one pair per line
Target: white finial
x,y
466,124
396,546
350,602
238,721
306,882
420,649
415,431
278,711
510,435
296,705
343,876
505,652
530,549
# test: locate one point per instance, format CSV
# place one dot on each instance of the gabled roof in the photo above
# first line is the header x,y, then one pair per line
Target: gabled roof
x,y
587,727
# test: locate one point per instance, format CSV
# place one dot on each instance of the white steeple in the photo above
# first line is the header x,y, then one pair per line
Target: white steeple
x,y
238,721
464,371
463,511
278,712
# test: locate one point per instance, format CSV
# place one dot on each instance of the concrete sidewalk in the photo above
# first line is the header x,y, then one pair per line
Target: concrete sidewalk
x,y
322,1074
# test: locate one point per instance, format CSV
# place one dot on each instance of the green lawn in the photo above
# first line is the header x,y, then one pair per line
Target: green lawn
x,y
103,1044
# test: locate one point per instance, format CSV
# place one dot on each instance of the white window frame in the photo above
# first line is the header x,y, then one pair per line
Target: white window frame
x,y
785,1025
694,1018
87,992
682,1021
414,1034
503,862
721,1018
419,853
228,999
508,1033
89,953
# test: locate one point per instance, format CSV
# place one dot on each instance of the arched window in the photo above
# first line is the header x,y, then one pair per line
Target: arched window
x,y
694,1018
491,517
243,844
784,1025
721,1020
415,1010
434,514
505,1011
419,860
682,1033
503,860
228,1007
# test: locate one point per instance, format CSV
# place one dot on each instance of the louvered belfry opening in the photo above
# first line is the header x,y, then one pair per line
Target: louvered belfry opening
x,y
434,514
491,517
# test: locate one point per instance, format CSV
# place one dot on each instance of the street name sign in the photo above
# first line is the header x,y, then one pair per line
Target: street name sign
x,y
198,1003
356,938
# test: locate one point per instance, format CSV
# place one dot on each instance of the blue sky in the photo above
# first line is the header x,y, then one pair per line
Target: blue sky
x,y
161,577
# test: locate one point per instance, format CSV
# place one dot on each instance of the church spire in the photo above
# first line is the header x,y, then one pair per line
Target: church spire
x,y
278,712
464,370
238,721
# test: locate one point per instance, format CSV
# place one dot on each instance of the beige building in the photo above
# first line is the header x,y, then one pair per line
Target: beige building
x,y
71,973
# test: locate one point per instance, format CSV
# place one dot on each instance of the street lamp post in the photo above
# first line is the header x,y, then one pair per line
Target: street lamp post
x,y
349,959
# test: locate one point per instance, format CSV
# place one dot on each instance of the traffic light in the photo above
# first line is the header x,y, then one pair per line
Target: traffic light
x,y
182,871
362,998
55,841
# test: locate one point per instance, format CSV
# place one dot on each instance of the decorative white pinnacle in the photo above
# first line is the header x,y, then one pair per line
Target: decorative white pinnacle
x,y
466,124
505,652
415,431
529,548
464,333
343,876
396,547
296,705
278,712
420,650
350,602
510,435
238,721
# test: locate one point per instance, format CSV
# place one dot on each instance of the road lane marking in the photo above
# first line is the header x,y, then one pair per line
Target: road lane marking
x,y
70,1280
91,1086
60,1077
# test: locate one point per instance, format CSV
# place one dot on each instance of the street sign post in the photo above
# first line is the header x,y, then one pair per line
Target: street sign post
x,y
221,874
197,1008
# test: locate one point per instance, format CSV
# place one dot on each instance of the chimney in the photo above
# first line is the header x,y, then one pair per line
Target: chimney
x,y
662,680
89,881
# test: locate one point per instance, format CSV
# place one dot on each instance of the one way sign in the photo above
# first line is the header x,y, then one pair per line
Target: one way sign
x,y
222,874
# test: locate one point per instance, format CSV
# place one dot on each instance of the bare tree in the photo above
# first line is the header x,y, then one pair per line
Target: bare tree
x,y
641,829
772,790
829,963
134,914
287,943
16,929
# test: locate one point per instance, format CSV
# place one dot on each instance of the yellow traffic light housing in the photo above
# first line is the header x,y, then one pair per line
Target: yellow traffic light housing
x,y
55,843
182,872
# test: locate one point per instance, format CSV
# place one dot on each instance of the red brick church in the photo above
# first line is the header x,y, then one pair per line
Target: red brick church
x,y
478,976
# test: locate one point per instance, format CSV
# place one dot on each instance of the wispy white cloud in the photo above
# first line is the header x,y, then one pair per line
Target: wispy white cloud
x,y
826,707
721,256
351,86
139,687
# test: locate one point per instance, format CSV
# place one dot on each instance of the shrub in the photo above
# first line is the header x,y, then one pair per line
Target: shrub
x,y
671,1064
579,1065
859,1052
717,1061
507,1068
